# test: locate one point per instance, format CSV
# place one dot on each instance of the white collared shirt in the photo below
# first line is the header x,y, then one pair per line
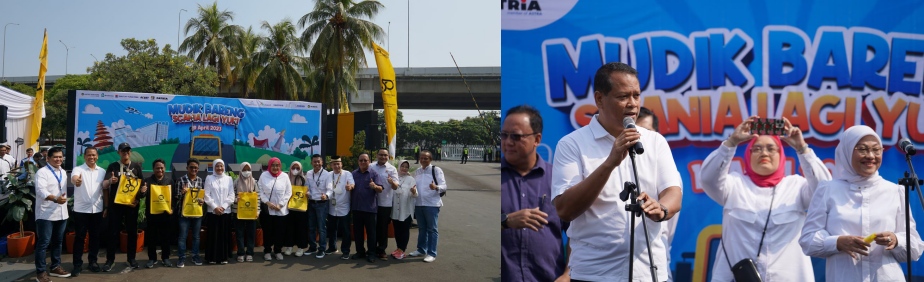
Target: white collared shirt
x,y
427,197
600,236
385,172
840,208
47,184
7,163
219,192
745,212
318,184
88,197
404,200
276,189
340,201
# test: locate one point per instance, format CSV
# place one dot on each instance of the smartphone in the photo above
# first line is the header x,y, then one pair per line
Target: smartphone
x,y
768,126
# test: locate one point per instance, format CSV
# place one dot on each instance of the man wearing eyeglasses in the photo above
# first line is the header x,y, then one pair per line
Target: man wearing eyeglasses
x,y
589,171
531,235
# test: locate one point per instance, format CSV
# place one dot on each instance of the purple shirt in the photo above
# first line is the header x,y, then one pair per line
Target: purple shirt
x,y
528,255
363,198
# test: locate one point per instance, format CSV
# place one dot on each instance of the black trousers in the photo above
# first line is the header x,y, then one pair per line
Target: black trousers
x,y
402,232
382,219
339,225
274,232
117,214
158,234
364,221
464,158
85,223
296,229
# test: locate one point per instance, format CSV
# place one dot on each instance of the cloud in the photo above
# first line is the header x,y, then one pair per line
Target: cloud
x,y
149,116
90,109
296,118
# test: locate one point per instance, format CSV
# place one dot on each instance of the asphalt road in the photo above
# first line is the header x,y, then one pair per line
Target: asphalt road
x,y
469,247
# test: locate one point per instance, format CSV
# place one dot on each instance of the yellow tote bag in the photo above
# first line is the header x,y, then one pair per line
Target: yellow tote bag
x,y
299,200
191,207
160,199
247,206
128,189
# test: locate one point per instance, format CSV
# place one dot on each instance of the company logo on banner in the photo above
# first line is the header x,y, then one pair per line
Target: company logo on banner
x,y
532,14
696,83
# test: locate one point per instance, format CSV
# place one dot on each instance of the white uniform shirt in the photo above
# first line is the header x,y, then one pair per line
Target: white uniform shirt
x,y
600,236
88,197
425,196
47,184
745,212
404,200
276,189
840,208
340,201
386,171
7,163
318,184
219,192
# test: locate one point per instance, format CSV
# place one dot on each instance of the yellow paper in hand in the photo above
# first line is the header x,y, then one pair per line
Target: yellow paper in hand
x,y
128,189
870,238
299,200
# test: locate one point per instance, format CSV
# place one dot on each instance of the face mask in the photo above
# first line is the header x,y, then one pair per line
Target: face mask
x,y
245,173
295,171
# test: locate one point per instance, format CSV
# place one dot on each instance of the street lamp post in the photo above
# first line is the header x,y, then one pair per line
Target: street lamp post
x,y
66,54
3,75
178,28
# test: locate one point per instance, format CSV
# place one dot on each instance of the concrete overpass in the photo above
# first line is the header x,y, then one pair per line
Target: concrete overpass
x,y
418,88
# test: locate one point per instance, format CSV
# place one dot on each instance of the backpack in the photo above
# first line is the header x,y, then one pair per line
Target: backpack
x,y
433,172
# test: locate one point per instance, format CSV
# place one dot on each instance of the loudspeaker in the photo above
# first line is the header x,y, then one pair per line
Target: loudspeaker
x,y
3,113
366,120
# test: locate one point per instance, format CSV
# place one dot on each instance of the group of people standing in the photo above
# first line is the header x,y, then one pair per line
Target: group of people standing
x,y
373,196
853,218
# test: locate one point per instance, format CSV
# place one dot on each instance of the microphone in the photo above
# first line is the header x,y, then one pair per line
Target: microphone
x,y
627,123
905,146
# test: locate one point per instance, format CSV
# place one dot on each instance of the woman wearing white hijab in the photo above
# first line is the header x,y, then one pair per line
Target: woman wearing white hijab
x,y
219,195
857,204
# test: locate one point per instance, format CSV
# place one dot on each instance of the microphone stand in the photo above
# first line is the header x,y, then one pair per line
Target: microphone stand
x,y
911,182
631,191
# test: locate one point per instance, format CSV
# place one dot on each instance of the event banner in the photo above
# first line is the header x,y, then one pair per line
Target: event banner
x,y
176,128
704,67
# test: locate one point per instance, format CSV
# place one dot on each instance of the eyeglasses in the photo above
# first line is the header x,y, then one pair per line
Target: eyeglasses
x,y
770,150
514,136
876,151
363,161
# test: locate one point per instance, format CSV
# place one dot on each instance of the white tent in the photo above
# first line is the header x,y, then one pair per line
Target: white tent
x,y
18,119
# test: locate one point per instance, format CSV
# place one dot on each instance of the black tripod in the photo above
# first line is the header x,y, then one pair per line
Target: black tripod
x,y
630,192
911,182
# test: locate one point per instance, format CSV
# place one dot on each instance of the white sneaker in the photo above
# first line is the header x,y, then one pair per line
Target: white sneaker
x,y
278,256
267,257
288,251
415,254
299,252
429,259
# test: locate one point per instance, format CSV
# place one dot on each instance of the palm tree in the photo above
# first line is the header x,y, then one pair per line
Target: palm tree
x,y
322,85
212,40
342,30
280,59
244,71
309,143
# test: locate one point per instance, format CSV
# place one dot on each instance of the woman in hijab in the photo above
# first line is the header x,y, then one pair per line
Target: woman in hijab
x,y
763,210
297,221
245,228
219,195
275,191
403,208
859,203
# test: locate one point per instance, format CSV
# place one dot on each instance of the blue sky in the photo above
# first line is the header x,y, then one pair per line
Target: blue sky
x,y
468,29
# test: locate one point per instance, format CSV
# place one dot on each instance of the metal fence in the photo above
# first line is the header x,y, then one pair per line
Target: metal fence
x,y
453,152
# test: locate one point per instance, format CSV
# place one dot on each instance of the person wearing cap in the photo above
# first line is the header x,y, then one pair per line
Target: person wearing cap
x,y
338,219
116,214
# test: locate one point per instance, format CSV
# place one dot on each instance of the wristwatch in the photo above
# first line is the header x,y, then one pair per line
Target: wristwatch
x,y
504,221
664,209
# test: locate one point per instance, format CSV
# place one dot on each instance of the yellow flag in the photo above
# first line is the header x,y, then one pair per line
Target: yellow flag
x,y
38,108
389,95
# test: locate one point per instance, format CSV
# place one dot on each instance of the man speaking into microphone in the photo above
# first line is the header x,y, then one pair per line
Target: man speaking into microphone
x,y
589,170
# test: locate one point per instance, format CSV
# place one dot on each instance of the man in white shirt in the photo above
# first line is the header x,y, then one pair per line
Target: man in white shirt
x,y
430,183
387,174
338,221
7,162
50,215
589,171
319,191
88,208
